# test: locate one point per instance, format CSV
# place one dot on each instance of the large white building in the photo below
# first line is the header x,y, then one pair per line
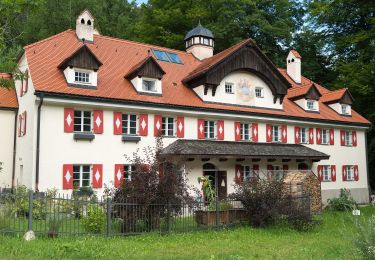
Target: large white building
x,y
89,99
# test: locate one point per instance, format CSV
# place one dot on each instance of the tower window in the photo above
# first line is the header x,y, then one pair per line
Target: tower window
x,y
89,22
82,21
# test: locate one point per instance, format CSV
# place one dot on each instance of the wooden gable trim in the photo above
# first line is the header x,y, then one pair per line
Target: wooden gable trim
x,y
313,93
82,58
347,98
248,58
149,67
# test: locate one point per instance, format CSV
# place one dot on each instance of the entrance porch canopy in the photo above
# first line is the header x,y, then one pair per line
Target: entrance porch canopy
x,y
240,150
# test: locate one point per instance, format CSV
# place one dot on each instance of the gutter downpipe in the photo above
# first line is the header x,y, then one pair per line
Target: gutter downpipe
x,y
38,144
14,151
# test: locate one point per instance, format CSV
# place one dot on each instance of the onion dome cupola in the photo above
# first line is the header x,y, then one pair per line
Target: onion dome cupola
x,y
200,42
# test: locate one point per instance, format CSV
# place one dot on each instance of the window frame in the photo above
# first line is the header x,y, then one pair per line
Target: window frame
x,y
81,172
174,126
313,103
82,124
248,172
278,133
81,71
128,127
348,137
261,89
326,169
325,133
304,133
228,85
243,134
208,134
349,169
346,110
149,80
128,169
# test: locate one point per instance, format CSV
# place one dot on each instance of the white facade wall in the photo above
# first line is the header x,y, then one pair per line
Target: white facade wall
x,y
25,147
244,84
7,118
58,148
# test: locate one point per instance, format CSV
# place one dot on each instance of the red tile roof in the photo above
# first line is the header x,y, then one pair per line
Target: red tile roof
x,y
119,57
296,54
8,97
333,95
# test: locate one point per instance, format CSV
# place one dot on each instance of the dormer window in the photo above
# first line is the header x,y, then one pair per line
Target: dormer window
x,y
81,77
345,109
149,85
311,105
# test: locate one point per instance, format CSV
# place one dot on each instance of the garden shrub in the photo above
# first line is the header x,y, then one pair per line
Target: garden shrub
x,y
94,220
266,203
344,202
365,237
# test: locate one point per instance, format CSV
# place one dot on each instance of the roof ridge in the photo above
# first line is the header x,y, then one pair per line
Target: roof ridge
x,y
48,38
140,43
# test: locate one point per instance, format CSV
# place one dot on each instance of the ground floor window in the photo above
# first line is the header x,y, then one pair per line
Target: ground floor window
x,y
81,176
128,169
326,172
350,172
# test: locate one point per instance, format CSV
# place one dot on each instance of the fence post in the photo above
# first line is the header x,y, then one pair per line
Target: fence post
x,y
30,220
217,198
169,217
109,207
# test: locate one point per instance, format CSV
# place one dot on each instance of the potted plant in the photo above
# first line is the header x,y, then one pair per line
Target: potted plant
x,y
226,213
54,225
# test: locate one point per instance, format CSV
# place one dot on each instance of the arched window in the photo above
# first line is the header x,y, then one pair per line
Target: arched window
x,y
82,21
88,22
209,167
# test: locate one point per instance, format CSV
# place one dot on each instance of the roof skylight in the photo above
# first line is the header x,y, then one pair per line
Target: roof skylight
x,y
167,56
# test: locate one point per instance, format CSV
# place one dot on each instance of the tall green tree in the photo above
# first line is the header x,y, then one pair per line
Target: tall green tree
x,y
348,28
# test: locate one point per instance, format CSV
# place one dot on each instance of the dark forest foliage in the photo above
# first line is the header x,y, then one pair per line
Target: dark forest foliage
x,y
335,38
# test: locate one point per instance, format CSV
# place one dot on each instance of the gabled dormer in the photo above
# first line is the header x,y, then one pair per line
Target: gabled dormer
x,y
80,69
146,76
241,75
306,97
340,100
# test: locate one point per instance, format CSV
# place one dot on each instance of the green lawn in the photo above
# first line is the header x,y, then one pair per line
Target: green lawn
x,y
331,240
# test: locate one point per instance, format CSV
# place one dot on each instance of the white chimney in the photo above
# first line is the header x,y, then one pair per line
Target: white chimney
x,y
85,26
293,66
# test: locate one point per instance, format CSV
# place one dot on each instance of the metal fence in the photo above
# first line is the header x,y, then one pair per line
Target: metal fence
x,y
78,215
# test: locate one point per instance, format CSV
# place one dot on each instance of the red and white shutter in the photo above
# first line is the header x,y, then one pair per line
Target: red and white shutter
x,y
320,174
255,133
269,133
333,172
67,176
19,125
24,123
220,129
98,121
284,133
239,173
117,123
311,135
318,136
26,82
356,173
143,124
68,120
200,128
297,134
97,176
157,125
331,136
119,175
237,131
342,137
344,173
180,127
354,138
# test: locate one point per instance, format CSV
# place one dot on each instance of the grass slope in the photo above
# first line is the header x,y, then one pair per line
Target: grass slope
x,y
332,240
